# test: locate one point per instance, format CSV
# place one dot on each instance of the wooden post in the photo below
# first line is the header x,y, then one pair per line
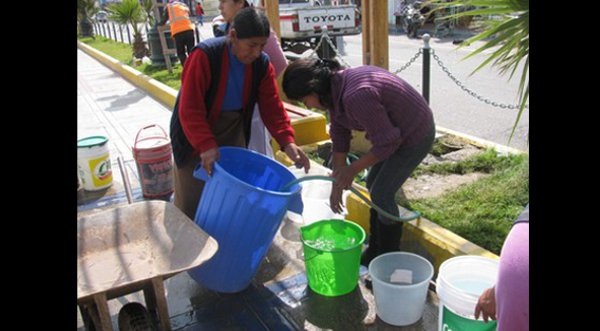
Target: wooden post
x,y
272,10
378,39
366,22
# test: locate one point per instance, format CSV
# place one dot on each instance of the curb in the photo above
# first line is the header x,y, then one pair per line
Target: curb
x,y
502,149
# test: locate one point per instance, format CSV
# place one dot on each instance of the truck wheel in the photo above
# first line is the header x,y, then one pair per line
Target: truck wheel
x,y
134,317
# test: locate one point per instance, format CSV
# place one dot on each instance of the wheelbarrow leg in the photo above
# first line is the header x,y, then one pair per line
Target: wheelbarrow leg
x,y
96,313
156,302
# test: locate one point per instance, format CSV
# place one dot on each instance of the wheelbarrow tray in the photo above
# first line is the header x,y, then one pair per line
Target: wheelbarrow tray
x,y
120,249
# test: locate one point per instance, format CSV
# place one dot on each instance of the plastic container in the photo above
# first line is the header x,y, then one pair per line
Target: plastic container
x,y
400,303
242,206
153,158
332,255
460,282
93,163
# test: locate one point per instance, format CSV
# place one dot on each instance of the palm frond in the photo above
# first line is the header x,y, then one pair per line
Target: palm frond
x,y
506,33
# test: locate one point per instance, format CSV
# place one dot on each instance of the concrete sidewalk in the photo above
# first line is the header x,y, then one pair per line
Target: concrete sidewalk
x,y
108,105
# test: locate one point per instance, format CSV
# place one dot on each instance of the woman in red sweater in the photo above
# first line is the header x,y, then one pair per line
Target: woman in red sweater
x,y
222,80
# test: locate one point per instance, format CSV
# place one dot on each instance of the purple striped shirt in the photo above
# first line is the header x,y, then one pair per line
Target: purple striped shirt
x,y
371,99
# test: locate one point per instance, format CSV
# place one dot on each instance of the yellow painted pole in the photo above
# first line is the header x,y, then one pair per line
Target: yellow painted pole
x,y
366,22
272,10
378,39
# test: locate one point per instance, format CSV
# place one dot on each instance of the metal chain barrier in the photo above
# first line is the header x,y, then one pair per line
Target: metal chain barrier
x,y
411,61
469,91
325,36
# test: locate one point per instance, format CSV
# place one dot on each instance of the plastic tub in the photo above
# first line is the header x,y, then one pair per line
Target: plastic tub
x,y
241,207
93,163
460,282
332,255
400,303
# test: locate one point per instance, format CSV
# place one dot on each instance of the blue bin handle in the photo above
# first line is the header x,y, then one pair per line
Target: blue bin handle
x,y
201,173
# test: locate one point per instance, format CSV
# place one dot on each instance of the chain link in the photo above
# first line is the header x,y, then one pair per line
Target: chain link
x,y
411,61
469,91
325,36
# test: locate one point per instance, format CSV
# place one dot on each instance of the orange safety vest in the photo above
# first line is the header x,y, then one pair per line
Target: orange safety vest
x,y
179,16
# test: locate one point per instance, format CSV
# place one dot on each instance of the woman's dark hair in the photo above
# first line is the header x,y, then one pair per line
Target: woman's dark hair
x,y
310,75
251,22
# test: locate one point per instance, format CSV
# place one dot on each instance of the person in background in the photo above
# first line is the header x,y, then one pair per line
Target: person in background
x,y
396,118
220,83
182,29
200,13
508,301
260,140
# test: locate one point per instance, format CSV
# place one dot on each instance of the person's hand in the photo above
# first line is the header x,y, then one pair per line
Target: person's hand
x,y
344,176
208,159
335,199
298,157
486,305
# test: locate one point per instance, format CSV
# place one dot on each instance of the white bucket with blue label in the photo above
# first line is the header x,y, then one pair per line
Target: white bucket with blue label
x,y
93,163
460,282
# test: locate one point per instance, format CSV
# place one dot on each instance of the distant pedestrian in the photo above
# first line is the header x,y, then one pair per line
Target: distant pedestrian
x,y
200,13
182,29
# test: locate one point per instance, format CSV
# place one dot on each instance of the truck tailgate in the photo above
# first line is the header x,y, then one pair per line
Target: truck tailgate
x,y
335,18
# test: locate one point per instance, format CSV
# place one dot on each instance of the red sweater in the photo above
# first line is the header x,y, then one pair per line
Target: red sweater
x,y
195,82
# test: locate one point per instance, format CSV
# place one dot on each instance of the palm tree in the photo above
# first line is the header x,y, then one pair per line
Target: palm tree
x,y
508,30
85,9
131,12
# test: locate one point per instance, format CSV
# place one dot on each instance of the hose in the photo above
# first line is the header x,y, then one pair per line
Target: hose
x,y
415,214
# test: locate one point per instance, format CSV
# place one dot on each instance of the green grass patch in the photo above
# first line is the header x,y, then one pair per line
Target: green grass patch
x,y
124,53
119,51
488,161
483,212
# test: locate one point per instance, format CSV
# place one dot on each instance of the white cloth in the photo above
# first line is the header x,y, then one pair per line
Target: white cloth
x,y
260,138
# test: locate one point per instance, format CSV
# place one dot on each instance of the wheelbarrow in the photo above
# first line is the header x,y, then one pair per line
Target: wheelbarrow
x,y
131,248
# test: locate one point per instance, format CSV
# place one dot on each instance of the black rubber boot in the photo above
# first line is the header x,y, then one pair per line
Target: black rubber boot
x,y
373,249
389,237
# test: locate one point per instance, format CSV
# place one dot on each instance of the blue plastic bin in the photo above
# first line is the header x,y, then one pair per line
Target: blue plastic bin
x,y
242,207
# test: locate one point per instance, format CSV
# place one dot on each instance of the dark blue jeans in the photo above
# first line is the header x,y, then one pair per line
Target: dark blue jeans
x,y
386,177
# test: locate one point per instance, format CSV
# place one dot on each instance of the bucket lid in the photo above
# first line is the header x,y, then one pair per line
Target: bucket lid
x,y
91,141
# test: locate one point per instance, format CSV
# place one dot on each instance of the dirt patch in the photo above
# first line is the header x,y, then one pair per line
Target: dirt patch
x,y
432,185
447,149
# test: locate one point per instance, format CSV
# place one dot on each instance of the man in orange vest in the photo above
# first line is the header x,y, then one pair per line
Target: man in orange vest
x,y
182,28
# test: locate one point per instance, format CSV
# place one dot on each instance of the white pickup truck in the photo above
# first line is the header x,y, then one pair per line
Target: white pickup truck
x,y
302,21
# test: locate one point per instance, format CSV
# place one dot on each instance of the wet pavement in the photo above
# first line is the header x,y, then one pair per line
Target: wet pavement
x,y
277,299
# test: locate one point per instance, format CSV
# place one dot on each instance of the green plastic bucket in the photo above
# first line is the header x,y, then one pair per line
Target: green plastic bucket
x,y
332,255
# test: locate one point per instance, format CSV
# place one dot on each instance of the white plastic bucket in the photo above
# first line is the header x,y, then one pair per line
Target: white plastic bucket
x,y
93,163
460,282
400,303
